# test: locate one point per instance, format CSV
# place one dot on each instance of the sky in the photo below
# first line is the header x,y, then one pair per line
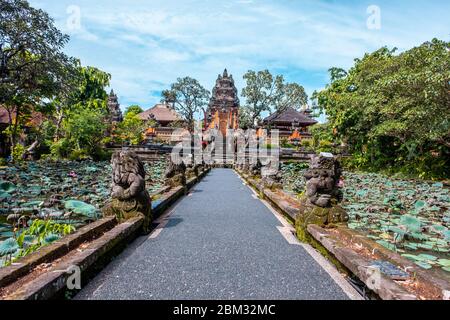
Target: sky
x,y
147,45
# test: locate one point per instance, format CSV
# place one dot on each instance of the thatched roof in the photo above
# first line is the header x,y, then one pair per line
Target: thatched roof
x,y
160,113
289,116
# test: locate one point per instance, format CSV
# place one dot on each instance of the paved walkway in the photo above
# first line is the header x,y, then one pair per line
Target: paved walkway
x,y
220,242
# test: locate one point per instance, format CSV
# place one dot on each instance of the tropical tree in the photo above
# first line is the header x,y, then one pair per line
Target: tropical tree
x,y
131,129
85,130
188,97
265,93
85,101
393,109
133,109
32,64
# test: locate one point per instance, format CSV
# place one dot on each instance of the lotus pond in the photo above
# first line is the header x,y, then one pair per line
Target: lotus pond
x,y
409,217
66,195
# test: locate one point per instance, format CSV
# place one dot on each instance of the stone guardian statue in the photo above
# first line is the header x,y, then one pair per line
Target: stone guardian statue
x,y
320,203
130,197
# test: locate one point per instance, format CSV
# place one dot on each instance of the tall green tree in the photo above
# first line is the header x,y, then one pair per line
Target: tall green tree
x,y
132,128
87,89
188,97
265,93
85,130
32,64
133,109
393,109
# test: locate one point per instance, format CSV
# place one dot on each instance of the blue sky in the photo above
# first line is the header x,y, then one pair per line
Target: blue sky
x,y
147,45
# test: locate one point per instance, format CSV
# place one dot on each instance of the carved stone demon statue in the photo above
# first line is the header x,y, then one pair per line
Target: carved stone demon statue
x,y
272,175
320,203
322,180
129,195
175,174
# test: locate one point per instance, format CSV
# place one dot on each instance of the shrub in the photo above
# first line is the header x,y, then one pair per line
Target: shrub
x,y
60,149
325,146
18,152
77,155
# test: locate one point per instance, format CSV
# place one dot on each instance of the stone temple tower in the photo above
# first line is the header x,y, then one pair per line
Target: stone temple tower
x,y
114,108
223,109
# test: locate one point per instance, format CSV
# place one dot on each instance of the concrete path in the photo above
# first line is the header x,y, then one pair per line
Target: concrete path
x,y
219,242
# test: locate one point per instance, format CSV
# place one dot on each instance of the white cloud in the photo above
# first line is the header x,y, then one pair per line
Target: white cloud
x,y
146,45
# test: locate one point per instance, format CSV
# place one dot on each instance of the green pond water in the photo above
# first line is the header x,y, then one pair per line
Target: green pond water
x,y
66,192
411,218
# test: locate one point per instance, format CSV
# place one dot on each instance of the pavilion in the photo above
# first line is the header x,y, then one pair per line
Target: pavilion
x,y
292,124
166,118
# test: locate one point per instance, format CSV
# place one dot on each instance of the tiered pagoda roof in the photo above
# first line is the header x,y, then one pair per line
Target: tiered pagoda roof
x,y
290,116
114,108
161,113
225,93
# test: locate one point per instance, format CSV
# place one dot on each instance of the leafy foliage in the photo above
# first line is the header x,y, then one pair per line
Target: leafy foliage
x,y
33,66
392,110
133,109
188,97
131,130
264,93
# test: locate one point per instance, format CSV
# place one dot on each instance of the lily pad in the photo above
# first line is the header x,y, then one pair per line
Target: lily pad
x,y
80,207
8,187
8,246
428,257
411,223
420,204
444,262
51,238
423,265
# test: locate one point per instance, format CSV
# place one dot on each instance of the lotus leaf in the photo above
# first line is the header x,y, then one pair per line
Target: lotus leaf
x,y
7,187
82,208
419,204
423,265
444,262
447,235
51,238
428,257
8,247
411,223
4,195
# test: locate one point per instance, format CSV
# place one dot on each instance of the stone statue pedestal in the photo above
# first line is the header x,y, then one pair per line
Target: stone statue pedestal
x,y
322,216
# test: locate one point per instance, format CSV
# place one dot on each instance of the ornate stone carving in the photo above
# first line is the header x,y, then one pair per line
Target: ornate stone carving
x,y
175,174
322,180
114,108
272,177
255,169
192,170
129,195
319,205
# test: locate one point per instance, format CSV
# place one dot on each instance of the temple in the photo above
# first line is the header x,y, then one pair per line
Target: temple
x,y
292,124
114,111
223,109
164,119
